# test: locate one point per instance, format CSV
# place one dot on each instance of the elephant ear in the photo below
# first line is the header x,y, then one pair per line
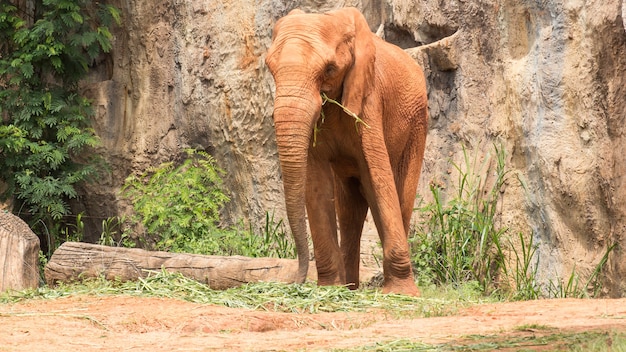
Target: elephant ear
x,y
359,79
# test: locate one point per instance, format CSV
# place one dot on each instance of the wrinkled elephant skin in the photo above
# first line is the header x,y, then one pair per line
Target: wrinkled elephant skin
x,y
335,167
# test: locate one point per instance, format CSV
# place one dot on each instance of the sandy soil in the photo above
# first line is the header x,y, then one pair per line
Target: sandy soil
x,y
120,323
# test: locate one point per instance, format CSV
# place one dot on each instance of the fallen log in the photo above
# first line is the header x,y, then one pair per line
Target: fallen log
x,y
73,261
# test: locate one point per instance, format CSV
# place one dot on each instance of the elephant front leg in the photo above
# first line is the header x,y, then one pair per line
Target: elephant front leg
x,y
323,224
384,202
397,267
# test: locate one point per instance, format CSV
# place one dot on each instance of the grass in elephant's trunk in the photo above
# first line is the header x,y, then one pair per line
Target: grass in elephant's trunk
x,y
326,99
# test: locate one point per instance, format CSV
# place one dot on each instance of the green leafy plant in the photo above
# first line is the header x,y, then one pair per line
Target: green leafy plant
x,y
179,206
458,242
45,50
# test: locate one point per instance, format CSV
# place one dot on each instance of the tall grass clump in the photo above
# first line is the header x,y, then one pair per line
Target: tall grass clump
x,y
459,239
573,287
523,273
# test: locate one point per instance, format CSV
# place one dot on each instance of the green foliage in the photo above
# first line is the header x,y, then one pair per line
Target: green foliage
x,y
179,205
44,124
271,240
458,242
179,208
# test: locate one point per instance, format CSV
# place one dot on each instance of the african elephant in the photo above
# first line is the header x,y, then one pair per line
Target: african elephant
x,y
335,167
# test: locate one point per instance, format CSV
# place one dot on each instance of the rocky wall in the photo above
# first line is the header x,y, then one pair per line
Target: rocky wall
x,y
546,78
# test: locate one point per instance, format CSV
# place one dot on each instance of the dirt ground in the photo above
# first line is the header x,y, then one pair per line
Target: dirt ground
x,y
121,323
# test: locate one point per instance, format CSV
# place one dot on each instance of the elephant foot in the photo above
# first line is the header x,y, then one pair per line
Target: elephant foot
x,y
402,287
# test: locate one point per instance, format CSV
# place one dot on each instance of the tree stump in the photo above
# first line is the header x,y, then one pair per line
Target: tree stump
x,y
75,260
19,254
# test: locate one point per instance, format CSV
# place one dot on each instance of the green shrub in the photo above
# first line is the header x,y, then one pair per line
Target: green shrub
x,y
179,208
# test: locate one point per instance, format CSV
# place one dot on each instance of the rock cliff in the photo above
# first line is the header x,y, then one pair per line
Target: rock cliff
x,y
544,78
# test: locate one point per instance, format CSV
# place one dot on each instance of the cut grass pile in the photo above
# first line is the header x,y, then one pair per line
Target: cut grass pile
x,y
278,297
309,298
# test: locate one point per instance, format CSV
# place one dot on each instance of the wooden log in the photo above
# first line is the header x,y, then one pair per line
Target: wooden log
x,y
75,260
19,254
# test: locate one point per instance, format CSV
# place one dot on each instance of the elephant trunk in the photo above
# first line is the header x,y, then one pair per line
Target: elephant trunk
x,y
295,114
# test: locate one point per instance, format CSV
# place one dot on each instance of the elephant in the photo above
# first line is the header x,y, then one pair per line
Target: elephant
x,y
336,167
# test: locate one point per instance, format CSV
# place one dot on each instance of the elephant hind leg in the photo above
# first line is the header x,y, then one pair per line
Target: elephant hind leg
x,y
407,174
351,211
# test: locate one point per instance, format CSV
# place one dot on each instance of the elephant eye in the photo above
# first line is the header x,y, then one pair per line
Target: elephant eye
x,y
330,69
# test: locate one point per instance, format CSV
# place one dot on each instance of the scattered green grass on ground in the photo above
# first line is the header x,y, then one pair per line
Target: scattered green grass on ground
x,y
592,341
297,298
310,298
